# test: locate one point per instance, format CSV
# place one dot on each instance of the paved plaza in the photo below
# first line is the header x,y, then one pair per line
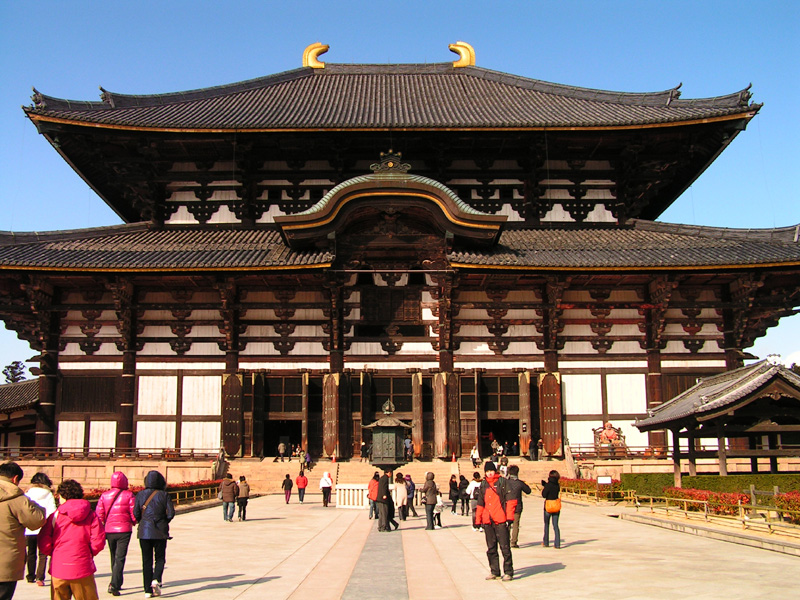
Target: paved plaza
x,y
310,552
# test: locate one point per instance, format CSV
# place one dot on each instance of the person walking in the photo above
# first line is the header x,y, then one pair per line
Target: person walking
x,y
302,484
402,496
228,491
518,487
475,456
364,452
453,494
438,509
472,492
286,486
242,499
494,510
17,512
325,485
72,537
115,511
41,493
552,508
429,497
383,499
281,451
372,494
411,489
153,511
462,495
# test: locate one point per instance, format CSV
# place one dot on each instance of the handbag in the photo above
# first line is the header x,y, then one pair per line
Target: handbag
x,y
553,506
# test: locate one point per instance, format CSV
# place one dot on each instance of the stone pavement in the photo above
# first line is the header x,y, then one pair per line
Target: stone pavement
x,y
310,552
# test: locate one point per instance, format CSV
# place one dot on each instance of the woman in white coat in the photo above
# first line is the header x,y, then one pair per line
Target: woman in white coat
x,y
40,492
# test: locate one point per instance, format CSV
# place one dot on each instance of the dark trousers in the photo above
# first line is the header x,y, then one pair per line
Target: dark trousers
x,y
464,506
326,496
35,572
546,538
301,493
410,506
118,547
242,503
429,515
288,494
7,589
153,549
383,516
497,535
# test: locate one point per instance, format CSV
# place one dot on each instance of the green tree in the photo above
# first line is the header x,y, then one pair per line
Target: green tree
x,y
15,372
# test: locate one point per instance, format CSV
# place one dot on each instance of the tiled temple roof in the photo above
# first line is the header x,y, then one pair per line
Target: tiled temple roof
x,y
426,96
718,391
641,245
18,396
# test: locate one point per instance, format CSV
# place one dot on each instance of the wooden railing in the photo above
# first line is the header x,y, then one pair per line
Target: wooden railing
x,y
603,493
590,451
31,453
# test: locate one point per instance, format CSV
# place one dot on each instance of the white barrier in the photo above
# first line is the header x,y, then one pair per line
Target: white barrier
x,y
354,495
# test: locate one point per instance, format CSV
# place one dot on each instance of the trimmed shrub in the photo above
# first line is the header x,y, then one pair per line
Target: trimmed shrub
x,y
789,501
647,484
653,484
719,503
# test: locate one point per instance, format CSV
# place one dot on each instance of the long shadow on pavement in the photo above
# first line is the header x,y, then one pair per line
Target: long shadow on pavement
x,y
535,569
214,586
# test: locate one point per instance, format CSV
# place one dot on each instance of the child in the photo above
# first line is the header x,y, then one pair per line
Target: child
x,y
72,536
437,510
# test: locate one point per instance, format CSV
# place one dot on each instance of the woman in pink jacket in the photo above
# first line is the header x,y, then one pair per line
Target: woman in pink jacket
x,y
72,536
115,511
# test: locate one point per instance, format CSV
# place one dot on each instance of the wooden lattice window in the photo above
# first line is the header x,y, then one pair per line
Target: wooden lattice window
x,y
398,389
284,394
468,393
390,305
88,394
499,393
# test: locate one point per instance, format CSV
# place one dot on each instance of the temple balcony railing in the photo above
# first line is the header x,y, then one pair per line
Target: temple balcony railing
x,y
84,453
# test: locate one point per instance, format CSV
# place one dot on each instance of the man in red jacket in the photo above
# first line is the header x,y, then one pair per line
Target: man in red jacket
x,y
495,511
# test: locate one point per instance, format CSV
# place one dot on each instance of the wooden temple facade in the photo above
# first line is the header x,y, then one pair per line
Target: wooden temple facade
x,y
478,247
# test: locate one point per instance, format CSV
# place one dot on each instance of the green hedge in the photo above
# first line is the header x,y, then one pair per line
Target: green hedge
x,y
653,484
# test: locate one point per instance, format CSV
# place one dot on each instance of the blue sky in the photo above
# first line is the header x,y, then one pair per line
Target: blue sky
x,y
68,49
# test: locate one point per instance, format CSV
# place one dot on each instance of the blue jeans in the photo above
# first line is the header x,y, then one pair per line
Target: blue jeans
x,y
227,510
546,538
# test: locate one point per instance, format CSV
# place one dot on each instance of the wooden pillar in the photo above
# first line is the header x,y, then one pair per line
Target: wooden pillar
x,y
751,445
304,411
722,453
440,421
126,395
692,455
656,439
772,440
46,413
330,414
416,412
525,426
676,457
733,359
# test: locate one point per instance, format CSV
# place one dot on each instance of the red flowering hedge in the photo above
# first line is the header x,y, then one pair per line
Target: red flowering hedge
x,y
94,493
603,491
719,503
789,501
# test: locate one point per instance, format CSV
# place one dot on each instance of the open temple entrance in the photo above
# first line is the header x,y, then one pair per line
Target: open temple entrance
x,y
502,430
288,432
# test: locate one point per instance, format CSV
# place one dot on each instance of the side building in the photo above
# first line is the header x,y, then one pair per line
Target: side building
x,y
478,247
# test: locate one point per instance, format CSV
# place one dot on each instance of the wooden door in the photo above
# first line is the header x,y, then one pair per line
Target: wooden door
x,y
550,419
330,413
259,414
232,421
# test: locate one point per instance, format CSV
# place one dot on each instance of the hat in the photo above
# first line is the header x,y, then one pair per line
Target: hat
x,y
489,466
408,477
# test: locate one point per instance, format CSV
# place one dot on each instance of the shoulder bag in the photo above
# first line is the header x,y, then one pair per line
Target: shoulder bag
x,y
553,506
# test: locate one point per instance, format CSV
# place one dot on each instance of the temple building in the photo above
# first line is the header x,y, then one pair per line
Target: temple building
x,y
477,247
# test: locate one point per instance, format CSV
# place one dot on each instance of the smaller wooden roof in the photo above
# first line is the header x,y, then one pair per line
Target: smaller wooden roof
x,y
19,396
724,391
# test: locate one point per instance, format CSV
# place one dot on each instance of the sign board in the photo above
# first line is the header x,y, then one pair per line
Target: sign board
x,y
604,480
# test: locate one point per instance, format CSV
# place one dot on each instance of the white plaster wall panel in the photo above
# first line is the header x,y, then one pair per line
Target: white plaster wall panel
x,y
626,393
580,313
582,394
156,349
277,368
557,214
204,315
205,349
108,331
225,195
200,436
426,297
260,349
521,330
255,296
472,297
302,331
577,296
588,364
633,437
522,296
383,365
108,349
576,330
675,347
158,395
366,348
691,364
626,329
522,348
13,441
102,435
579,432
87,366
71,434
521,313
180,366
157,331
202,395
73,330
259,314
416,348
427,315
674,329
157,315
473,348
599,214
71,349
155,435
510,213
626,313
472,330
381,282
259,331
182,215
578,348
471,363
308,348
675,313
203,296
471,314
624,296
308,314
626,348
355,314
223,215
205,331
269,216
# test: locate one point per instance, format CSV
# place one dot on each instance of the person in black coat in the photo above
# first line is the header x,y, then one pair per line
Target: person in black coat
x,y
462,494
153,511
517,488
550,491
385,503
